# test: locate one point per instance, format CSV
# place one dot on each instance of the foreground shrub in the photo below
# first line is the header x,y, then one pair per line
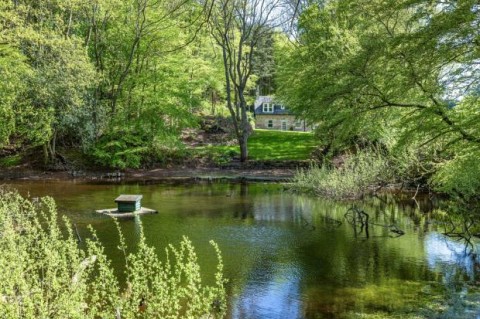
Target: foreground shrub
x,y
44,273
359,174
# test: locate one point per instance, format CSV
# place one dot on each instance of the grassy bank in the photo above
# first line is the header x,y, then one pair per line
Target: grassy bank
x,y
263,145
267,145
281,145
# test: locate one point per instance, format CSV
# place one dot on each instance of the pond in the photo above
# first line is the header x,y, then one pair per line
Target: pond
x,y
292,256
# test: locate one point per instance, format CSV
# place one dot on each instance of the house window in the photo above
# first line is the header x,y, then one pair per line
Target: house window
x,y
284,125
270,123
298,124
267,108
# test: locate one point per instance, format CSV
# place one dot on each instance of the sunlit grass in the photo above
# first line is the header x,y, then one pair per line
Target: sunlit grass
x,y
281,145
276,145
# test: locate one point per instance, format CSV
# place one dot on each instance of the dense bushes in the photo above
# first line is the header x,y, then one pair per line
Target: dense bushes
x,y
358,174
46,275
122,148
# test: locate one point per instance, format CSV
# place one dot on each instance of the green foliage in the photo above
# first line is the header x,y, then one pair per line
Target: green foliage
x,y
460,176
73,70
9,161
218,155
34,126
149,79
167,150
357,176
264,63
241,30
12,69
402,74
132,147
120,149
57,75
46,275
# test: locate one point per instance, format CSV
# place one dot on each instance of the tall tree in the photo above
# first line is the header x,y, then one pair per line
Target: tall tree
x,y
264,65
238,26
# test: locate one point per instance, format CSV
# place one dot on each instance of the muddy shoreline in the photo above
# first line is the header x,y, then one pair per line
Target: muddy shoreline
x,y
151,175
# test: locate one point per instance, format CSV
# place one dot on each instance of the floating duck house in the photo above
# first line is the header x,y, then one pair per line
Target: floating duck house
x,y
127,206
129,203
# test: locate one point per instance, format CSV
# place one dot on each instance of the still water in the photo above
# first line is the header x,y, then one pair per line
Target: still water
x,y
291,256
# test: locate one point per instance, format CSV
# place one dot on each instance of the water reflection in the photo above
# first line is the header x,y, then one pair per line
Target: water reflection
x,y
447,256
278,296
286,256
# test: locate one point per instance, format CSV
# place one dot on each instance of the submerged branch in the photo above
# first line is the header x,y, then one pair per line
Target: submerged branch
x,y
359,219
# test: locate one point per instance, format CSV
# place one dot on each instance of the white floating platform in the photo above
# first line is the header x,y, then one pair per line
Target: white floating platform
x,y
115,213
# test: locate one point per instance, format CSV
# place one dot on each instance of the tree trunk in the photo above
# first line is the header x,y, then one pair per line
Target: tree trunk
x,y
53,145
242,140
213,102
69,26
237,27
46,156
244,125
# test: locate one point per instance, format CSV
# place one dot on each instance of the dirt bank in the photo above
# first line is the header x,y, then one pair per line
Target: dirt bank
x,y
157,174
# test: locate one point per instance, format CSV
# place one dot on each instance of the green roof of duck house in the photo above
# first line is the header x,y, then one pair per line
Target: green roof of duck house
x,y
128,203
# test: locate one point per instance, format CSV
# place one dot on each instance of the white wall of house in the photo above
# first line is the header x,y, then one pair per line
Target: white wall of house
x,y
280,122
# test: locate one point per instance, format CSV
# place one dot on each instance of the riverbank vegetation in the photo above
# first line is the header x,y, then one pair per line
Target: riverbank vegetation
x,y
359,174
49,272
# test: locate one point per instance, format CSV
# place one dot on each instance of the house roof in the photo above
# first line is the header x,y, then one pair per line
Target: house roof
x,y
277,107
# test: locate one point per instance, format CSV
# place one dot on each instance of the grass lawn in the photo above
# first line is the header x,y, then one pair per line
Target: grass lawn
x,y
278,145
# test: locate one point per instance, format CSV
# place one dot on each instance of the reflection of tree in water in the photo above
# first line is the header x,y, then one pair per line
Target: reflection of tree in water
x,y
243,207
342,268
459,266
271,290
347,270
459,222
341,272
452,251
360,222
451,256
